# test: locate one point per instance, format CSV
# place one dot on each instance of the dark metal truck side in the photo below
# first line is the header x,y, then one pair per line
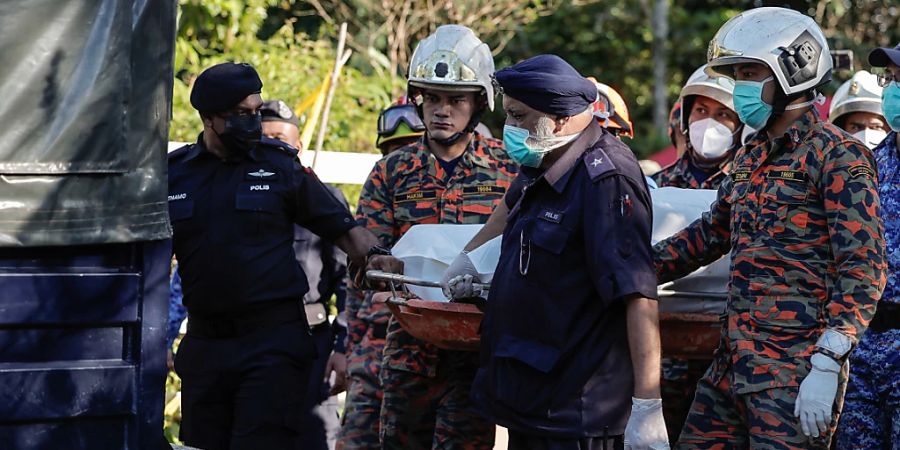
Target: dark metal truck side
x,y
84,232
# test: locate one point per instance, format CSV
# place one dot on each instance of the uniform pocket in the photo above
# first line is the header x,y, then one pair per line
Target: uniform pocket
x,y
181,210
784,213
789,315
549,236
257,214
774,340
522,374
477,209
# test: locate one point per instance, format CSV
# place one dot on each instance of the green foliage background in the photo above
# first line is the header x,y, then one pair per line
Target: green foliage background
x,y
290,63
292,42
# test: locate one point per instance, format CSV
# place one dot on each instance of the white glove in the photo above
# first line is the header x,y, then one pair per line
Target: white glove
x,y
646,427
459,277
462,286
816,397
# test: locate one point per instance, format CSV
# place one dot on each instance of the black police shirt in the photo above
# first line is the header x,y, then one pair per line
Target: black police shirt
x,y
233,225
555,358
325,265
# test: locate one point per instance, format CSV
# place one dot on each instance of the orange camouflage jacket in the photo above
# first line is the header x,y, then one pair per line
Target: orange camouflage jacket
x,y
409,187
678,174
800,215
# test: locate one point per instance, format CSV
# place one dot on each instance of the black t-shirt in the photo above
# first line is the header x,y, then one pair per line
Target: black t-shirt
x,y
449,166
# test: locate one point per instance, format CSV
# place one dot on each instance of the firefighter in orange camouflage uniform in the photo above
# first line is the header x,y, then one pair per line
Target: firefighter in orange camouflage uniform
x,y
712,133
452,175
800,215
398,126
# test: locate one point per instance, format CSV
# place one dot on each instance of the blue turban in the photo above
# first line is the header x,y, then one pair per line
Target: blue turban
x,y
548,84
223,86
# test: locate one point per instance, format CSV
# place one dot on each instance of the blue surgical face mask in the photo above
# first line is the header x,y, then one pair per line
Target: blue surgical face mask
x,y
514,141
749,104
890,105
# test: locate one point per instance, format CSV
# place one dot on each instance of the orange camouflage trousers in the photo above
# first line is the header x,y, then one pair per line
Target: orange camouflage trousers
x,y
362,405
721,419
433,412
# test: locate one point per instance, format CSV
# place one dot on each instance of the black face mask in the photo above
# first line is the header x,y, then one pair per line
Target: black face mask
x,y
242,133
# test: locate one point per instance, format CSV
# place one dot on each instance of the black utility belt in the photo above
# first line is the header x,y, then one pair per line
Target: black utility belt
x,y
887,317
231,326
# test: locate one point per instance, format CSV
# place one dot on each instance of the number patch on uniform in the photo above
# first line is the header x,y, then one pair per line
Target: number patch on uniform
x,y
483,189
415,196
787,175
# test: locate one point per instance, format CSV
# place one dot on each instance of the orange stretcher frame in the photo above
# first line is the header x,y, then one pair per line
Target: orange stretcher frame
x,y
455,326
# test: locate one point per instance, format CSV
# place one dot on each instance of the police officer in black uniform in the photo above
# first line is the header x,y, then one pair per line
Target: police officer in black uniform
x,y
325,267
570,336
234,197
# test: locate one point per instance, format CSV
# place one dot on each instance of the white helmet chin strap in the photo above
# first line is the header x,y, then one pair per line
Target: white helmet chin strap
x,y
819,99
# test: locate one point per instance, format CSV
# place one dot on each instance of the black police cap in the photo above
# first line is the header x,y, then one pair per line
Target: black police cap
x,y
278,111
223,86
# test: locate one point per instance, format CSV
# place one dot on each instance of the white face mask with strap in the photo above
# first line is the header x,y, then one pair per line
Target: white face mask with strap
x,y
871,137
710,139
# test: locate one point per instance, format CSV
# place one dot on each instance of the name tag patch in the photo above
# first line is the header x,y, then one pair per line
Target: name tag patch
x,y
787,175
742,175
483,189
415,196
180,196
551,216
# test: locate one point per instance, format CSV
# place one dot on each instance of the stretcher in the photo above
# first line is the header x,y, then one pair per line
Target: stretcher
x,y
690,308
454,326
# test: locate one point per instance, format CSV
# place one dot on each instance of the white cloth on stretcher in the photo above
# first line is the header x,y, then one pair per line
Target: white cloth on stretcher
x,y
427,250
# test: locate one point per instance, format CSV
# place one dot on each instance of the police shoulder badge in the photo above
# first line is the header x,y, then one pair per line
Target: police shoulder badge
x,y
861,170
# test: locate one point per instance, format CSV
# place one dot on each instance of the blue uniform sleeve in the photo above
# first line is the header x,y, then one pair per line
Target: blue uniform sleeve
x,y
316,208
177,311
618,224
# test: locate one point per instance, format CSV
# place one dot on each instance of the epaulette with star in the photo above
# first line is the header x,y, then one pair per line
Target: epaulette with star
x,y
598,163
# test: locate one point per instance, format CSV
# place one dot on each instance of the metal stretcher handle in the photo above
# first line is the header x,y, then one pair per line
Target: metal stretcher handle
x,y
397,278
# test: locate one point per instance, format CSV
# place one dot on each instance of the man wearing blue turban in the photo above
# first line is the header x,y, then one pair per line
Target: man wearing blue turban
x,y
570,337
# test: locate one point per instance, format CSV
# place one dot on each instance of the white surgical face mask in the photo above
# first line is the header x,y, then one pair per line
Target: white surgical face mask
x,y
870,137
543,139
710,139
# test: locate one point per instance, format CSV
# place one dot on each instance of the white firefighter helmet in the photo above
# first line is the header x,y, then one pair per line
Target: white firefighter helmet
x,y
789,43
716,87
453,58
861,93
